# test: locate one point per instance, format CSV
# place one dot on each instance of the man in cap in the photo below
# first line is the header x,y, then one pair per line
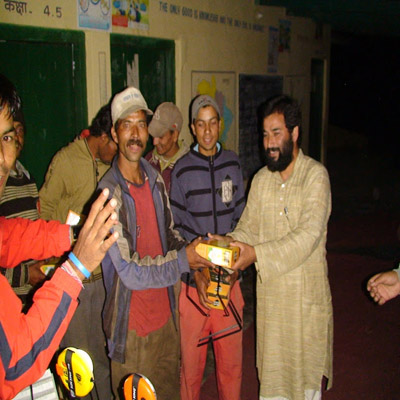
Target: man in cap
x,y
148,259
168,149
207,195
70,185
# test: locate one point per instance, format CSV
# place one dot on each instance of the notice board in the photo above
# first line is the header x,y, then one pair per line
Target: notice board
x,y
253,91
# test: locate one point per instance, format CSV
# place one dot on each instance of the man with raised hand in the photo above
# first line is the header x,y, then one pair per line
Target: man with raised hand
x,y
28,341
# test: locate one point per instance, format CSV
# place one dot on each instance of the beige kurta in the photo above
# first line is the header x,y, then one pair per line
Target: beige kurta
x,y
286,222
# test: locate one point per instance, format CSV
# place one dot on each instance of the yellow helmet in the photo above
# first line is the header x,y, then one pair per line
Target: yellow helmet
x,y
75,368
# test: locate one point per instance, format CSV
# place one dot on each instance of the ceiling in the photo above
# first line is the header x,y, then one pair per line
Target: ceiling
x,y
359,17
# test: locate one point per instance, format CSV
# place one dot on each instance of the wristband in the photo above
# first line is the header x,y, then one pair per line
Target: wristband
x,y
71,271
79,265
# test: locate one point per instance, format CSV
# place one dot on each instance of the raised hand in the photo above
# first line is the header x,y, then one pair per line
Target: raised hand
x,y
94,238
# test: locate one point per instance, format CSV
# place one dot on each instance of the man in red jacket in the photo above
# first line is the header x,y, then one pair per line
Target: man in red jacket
x,y
28,341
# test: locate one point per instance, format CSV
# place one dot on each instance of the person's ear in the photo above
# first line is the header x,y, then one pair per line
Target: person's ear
x,y
295,134
175,135
193,129
114,135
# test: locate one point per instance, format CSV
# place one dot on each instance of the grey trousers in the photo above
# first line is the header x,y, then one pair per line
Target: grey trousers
x,y
156,356
86,332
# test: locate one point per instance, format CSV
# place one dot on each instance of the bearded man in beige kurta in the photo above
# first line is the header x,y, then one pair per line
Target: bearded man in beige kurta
x,y
283,231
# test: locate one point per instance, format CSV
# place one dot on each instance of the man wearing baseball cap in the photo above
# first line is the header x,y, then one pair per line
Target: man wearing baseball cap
x,y
207,195
147,260
168,149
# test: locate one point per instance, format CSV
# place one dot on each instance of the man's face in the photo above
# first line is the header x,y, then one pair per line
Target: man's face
x,y
107,149
166,145
19,136
278,143
8,148
206,128
131,136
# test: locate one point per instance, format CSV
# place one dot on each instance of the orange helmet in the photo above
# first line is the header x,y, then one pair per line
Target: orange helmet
x,y
138,387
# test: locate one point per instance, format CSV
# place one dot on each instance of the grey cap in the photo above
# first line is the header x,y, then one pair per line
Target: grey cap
x,y
126,102
166,117
200,101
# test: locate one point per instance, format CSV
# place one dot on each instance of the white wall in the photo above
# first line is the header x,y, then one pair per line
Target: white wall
x,y
201,45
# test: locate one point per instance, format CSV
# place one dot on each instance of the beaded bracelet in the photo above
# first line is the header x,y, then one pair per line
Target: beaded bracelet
x,y
79,265
71,271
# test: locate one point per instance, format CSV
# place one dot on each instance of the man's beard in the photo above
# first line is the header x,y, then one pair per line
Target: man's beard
x,y
284,159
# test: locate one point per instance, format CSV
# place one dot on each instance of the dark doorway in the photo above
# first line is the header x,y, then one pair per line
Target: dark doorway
x,y
47,66
316,108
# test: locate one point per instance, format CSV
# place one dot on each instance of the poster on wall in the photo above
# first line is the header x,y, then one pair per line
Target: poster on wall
x,y
273,49
221,86
285,28
94,14
131,13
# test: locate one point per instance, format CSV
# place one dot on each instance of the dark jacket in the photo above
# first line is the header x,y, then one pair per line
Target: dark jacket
x,y
207,193
123,269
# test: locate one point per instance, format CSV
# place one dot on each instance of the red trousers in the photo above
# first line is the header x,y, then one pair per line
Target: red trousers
x,y
227,350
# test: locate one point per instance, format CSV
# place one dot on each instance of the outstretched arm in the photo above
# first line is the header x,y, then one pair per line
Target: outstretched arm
x,y
306,224
143,273
28,341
